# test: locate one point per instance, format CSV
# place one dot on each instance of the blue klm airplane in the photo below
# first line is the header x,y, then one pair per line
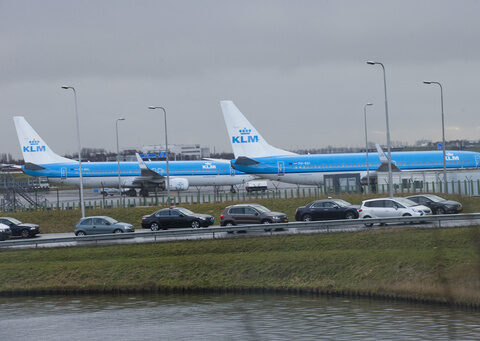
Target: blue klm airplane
x,y
253,155
42,161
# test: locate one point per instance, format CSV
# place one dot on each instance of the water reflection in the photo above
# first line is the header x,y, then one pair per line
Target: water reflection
x,y
229,317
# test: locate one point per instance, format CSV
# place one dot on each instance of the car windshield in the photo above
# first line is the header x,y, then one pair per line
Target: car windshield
x,y
110,220
185,211
15,221
435,198
261,208
341,203
406,202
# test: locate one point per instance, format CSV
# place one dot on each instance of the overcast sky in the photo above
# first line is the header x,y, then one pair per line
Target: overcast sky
x,y
296,69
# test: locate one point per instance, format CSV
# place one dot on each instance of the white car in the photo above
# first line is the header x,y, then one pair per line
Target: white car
x,y
391,207
5,232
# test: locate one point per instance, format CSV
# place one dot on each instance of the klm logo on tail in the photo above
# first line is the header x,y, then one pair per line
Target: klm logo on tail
x,y
34,147
245,137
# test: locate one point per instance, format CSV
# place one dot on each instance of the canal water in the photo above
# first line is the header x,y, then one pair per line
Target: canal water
x,y
229,317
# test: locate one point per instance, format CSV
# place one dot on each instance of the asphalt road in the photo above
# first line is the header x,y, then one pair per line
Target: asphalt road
x,y
139,236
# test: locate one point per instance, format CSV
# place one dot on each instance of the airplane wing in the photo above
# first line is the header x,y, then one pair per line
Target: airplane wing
x,y
148,177
384,161
216,160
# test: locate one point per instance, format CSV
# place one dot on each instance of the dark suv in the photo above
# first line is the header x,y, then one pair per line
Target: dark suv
x,y
250,214
437,204
175,217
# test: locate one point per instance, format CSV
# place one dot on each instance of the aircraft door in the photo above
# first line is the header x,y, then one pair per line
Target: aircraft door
x,y
232,171
63,173
281,168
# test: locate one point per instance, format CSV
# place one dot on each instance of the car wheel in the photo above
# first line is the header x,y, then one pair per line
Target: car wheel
x,y
407,215
229,223
154,227
439,211
81,233
307,217
25,233
195,224
368,224
349,215
118,231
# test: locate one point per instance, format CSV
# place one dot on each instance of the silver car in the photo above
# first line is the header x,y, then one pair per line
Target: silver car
x,y
101,225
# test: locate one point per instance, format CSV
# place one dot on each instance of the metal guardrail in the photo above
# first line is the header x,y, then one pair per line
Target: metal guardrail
x,y
327,225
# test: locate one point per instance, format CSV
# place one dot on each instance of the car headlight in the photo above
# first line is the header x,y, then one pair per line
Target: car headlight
x,y
276,218
32,228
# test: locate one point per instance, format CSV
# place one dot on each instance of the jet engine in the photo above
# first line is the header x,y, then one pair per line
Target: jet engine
x,y
178,184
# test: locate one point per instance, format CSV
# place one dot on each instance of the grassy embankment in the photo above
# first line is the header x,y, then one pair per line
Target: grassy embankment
x,y
412,264
65,221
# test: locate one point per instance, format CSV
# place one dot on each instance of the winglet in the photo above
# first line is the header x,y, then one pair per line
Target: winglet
x,y
381,154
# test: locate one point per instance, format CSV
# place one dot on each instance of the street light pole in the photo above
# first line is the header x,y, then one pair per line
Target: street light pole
x,y
366,144
82,204
390,178
118,157
443,132
166,151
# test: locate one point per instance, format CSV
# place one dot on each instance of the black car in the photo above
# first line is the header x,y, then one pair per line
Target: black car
x,y
18,228
327,209
437,204
175,217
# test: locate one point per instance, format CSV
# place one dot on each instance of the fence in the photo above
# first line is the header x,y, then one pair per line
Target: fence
x,y
466,187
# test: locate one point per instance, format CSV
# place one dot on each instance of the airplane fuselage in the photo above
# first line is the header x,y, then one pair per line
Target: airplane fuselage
x,y
105,174
311,169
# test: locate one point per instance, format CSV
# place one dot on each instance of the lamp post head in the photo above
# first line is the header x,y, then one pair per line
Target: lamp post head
x,y
67,87
121,119
369,104
427,82
369,62
152,107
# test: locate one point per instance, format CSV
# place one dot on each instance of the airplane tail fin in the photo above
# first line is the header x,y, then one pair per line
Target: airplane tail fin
x,y
245,139
34,149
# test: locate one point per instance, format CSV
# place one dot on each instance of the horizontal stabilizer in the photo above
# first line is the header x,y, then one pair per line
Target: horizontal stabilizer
x,y
245,161
33,167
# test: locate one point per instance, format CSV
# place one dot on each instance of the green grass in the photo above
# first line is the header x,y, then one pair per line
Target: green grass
x,y
419,264
65,221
